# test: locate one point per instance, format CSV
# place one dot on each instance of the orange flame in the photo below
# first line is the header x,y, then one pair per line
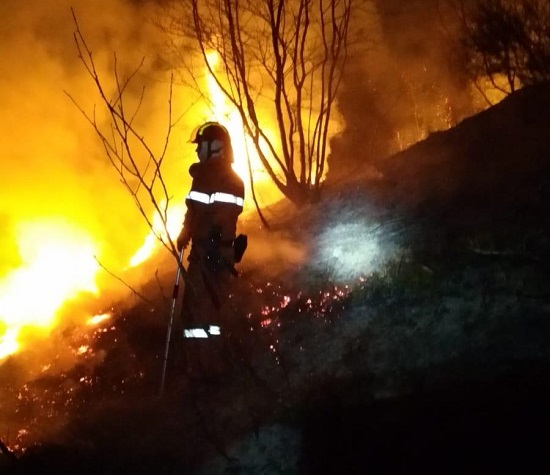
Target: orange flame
x,y
243,148
151,244
100,318
57,264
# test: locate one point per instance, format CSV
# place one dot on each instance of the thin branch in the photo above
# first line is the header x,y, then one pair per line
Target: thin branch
x,y
122,281
120,148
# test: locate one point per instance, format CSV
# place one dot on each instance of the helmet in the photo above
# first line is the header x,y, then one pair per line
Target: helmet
x,y
211,131
217,137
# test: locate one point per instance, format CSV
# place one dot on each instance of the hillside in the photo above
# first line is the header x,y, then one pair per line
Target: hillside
x,y
399,325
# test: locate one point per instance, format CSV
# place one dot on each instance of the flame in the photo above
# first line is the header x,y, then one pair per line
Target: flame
x,y
229,117
174,219
57,263
226,114
8,342
243,147
100,318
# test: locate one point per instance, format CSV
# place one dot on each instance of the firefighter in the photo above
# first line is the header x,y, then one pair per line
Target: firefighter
x,y
214,204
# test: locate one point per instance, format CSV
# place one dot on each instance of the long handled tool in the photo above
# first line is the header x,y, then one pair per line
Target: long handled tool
x,y
170,323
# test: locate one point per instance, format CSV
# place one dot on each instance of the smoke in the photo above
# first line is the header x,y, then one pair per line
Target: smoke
x,y
423,42
406,81
52,162
274,253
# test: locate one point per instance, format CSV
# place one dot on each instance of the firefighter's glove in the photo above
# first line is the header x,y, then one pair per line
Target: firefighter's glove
x,y
183,240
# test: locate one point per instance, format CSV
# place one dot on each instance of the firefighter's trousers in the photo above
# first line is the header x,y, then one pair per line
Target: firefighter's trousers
x,y
203,315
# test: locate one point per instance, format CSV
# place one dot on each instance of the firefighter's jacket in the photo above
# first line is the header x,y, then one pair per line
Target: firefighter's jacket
x,y
216,198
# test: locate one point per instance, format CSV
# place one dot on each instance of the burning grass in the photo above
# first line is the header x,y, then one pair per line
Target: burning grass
x,y
422,320
119,357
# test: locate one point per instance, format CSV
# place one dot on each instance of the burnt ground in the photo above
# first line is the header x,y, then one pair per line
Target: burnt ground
x,y
412,338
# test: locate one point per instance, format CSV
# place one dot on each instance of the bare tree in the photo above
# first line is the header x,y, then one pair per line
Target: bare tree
x,y
138,167
281,65
507,39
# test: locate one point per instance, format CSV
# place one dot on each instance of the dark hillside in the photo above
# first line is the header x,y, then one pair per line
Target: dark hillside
x,y
498,160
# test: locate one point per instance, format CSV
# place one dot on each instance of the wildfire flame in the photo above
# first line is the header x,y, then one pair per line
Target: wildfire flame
x,y
173,224
230,118
57,264
100,318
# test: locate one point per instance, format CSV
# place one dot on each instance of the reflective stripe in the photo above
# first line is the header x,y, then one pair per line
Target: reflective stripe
x,y
195,333
202,332
226,198
198,196
217,197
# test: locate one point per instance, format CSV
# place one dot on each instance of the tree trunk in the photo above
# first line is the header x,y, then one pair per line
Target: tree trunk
x,y
300,194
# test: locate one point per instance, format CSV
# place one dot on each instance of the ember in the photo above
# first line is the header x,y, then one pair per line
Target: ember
x,y
73,379
97,319
279,305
